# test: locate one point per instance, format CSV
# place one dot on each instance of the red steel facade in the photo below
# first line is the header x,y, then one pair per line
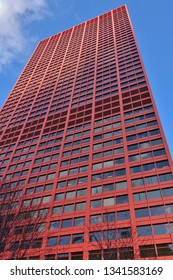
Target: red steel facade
x,y
81,140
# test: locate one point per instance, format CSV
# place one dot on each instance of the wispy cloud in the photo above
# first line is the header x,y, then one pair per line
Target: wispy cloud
x,y
15,16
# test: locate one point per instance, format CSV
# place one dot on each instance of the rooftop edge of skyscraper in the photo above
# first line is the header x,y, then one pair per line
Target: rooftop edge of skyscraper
x,y
124,6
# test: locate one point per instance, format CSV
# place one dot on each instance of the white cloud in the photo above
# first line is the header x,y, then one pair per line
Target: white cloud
x,y
15,16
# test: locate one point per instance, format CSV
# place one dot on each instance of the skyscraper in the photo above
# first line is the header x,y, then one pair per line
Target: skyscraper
x,y
85,172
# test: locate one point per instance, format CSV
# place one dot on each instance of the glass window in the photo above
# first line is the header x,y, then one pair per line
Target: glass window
x,y
144,145
57,210
122,199
69,208
35,170
96,177
108,201
18,193
134,158
95,255
24,172
48,187
46,199
107,175
149,166
54,225
118,151
156,141
26,202
167,192
82,180
29,191
83,168
107,153
80,206
77,256
95,236
96,190
169,208
108,187
124,233
80,221
165,249
40,227
123,215
108,163
37,243
96,203
18,230
70,194
36,200
39,189
161,229
84,158
144,230
121,185
141,212
64,240
48,158
14,205
96,219
77,238
43,212
66,154
146,155
61,184
159,152
67,223
109,217
151,180
139,196
135,169
81,192
41,178
109,234
33,180
138,182
98,155
157,210
118,141
131,137
97,146
59,196
154,194
63,173
76,151
74,171
72,182
25,244
147,251
119,161
162,164
65,163
165,177
52,241
132,147
106,144
97,166
120,172
63,256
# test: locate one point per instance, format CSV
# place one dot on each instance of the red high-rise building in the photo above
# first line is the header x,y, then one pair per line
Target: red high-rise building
x,y
82,145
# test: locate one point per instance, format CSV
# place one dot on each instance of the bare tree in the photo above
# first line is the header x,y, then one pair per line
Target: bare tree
x,y
111,241
20,229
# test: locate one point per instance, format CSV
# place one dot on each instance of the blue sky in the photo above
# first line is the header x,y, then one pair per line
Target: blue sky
x,y
25,22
